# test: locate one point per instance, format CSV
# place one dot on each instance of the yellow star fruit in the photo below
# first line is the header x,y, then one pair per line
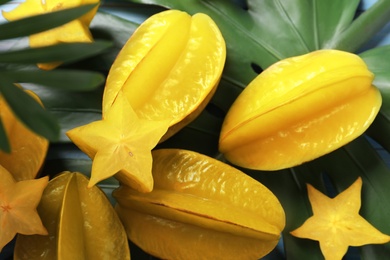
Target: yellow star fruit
x,y
169,68
200,208
18,203
120,144
74,31
81,223
299,109
336,222
28,150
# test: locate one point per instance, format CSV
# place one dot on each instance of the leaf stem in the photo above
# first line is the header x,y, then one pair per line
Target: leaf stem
x,y
363,28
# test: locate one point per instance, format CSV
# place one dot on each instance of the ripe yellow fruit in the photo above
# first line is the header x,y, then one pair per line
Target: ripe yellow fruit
x,y
81,222
300,109
169,68
28,150
200,208
74,31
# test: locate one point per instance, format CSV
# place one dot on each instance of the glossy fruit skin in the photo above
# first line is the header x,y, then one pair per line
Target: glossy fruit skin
x,y
28,150
300,109
81,223
74,31
169,68
200,208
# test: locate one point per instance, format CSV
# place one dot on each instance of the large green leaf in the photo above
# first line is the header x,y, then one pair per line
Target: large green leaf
x,y
39,23
363,28
264,32
290,188
377,60
111,28
380,129
201,135
71,109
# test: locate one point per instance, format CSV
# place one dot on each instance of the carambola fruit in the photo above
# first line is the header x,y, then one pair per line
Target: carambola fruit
x,y
28,150
299,109
200,208
169,68
81,222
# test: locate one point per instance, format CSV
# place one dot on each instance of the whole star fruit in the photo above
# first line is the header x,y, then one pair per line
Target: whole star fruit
x,y
18,206
169,68
81,222
200,208
28,150
74,31
299,109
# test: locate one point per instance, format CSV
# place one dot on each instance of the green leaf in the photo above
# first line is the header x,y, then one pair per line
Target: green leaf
x,y
108,27
4,143
65,52
29,111
71,109
289,186
43,22
265,32
380,129
332,174
377,60
363,28
201,135
4,1
71,80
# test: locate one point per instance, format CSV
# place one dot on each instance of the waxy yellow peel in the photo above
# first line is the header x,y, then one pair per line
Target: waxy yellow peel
x,y
74,31
200,208
300,109
80,221
28,150
169,68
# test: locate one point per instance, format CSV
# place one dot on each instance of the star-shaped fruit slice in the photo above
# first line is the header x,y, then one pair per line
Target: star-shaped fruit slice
x,y
18,206
74,31
336,222
120,144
